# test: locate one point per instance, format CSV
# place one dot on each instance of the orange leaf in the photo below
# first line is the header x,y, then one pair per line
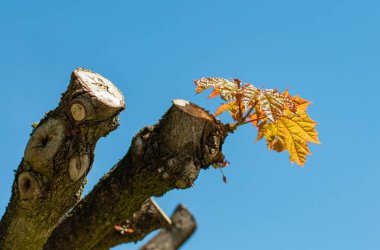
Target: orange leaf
x,y
261,133
269,130
214,93
234,111
301,103
292,133
279,117
256,118
250,95
231,106
226,87
289,102
272,104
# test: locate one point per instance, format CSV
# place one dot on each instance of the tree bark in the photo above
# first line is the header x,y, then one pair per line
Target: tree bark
x,y
149,218
162,157
176,234
50,178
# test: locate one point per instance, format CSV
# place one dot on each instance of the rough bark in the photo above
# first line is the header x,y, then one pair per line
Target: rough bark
x,y
162,157
174,235
149,218
50,178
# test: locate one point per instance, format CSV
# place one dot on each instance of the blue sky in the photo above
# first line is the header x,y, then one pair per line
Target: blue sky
x,y
326,51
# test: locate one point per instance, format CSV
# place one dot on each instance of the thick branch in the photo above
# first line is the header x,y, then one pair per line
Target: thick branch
x,y
174,235
59,154
162,157
149,218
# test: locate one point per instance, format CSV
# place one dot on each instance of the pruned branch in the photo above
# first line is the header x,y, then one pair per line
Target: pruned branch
x,y
176,234
149,218
50,178
162,157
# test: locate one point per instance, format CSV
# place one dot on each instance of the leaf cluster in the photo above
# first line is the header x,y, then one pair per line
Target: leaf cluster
x,y
279,117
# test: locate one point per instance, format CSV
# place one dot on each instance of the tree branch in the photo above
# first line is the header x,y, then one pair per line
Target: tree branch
x,y
149,218
50,178
173,236
162,157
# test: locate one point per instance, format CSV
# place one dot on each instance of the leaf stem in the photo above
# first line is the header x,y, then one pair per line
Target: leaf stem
x,y
249,112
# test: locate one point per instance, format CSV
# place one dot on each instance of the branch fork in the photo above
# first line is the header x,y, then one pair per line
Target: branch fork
x,y
46,196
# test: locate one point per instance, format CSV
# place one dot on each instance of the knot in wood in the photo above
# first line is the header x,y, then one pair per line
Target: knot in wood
x,y
78,111
44,144
78,166
29,186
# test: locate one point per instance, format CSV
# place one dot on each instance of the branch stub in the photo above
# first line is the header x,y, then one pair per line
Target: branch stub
x,y
78,112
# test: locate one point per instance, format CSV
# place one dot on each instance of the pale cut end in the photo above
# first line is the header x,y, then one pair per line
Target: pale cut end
x,y
78,111
192,109
180,102
101,87
161,212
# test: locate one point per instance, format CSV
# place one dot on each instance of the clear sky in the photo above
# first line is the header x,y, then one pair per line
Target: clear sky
x,y
327,51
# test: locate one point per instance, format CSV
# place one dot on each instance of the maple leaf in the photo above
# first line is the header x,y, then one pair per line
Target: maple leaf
x,y
280,118
231,107
272,104
270,132
302,104
214,93
254,118
257,118
292,133
244,98
290,103
250,95
224,87
261,133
